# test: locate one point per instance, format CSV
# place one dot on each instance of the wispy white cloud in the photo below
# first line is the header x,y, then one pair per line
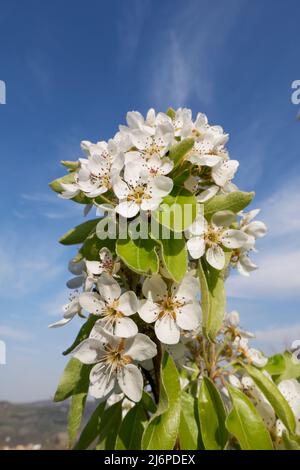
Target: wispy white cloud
x,y
188,51
278,275
130,24
53,307
277,339
25,267
281,210
14,333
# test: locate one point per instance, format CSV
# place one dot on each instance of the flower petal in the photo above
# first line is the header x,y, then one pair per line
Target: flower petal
x,y
128,303
128,209
59,323
102,383
125,327
108,287
167,330
154,288
131,382
196,247
215,257
148,311
188,317
140,348
89,351
91,302
233,238
223,218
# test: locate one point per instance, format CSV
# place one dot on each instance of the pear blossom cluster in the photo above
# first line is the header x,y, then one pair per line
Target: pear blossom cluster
x,y
136,314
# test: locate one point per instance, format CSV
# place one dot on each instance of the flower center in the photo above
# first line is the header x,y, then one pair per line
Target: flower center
x,y
138,194
212,236
169,307
115,357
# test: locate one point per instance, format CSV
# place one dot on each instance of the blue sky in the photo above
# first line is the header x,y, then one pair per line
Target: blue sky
x,y
72,70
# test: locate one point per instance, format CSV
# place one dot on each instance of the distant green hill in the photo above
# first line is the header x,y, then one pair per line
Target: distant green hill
x,y
42,423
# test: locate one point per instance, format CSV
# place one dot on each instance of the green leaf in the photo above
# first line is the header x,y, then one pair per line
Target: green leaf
x,y
276,399
179,151
283,367
83,334
78,404
171,113
139,255
71,165
161,431
275,365
79,233
234,202
110,425
246,424
92,429
132,428
189,435
92,245
70,378
212,416
55,185
289,443
175,257
213,297
181,178
178,210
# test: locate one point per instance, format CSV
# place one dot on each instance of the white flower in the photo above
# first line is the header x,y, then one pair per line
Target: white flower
x,y
70,190
113,307
183,123
231,325
136,191
171,310
114,359
96,173
290,389
240,259
107,264
253,228
255,357
208,238
70,310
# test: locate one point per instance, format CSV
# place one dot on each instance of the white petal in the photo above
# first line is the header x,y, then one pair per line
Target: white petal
x,y
166,330
120,188
148,311
59,323
108,287
207,194
131,382
91,302
256,229
187,290
215,257
188,317
154,288
245,265
198,227
223,218
162,185
75,282
196,247
140,348
102,383
76,268
94,267
89,351
233,238
128,303
224,172
125,328
128,209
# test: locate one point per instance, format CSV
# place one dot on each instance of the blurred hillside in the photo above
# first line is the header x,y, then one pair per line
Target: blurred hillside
x,y
35,425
